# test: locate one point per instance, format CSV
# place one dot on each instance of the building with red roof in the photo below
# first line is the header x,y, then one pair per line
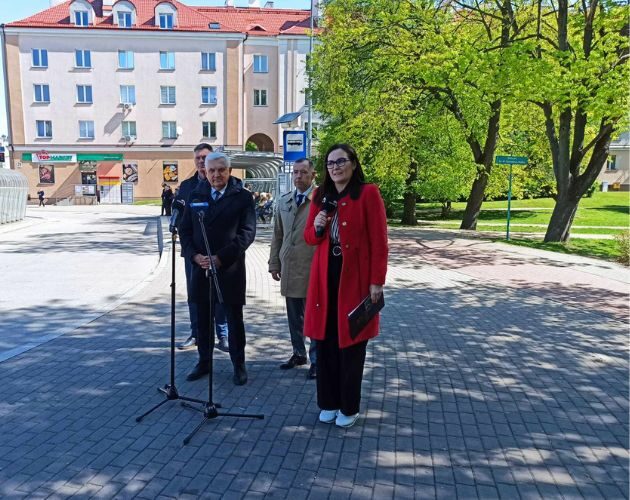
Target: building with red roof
x,y
98,88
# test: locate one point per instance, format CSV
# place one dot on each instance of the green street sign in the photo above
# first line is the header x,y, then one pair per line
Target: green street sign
x,y
511,160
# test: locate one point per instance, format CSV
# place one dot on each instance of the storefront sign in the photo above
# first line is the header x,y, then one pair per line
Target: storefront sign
x,y
45,157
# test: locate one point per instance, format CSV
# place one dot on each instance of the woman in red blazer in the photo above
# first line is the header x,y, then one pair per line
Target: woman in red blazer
x,y
350,262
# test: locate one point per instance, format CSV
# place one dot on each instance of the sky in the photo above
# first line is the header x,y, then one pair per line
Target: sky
x,y
14,10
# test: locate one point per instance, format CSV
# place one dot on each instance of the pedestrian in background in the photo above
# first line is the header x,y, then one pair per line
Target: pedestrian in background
x,y
350,262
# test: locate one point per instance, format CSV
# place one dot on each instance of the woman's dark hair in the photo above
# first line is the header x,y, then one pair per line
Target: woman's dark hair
x,y
356,181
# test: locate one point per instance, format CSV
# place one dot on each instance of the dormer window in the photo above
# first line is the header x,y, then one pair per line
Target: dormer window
x,y
124,19
81,17
166,21
214,26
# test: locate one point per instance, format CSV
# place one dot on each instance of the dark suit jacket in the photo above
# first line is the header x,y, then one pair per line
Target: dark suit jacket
x,y
230,224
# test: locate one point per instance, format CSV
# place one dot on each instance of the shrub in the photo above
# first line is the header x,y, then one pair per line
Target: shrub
x,y
623,244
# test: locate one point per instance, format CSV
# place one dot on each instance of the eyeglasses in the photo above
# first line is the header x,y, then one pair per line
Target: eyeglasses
x,y
340,163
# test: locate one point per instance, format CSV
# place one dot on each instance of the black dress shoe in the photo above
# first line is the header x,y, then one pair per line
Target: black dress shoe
x,y
188,343
294,361
223,345
240,375
198,371
312,372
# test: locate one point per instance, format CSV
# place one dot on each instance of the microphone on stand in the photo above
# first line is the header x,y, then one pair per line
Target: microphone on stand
x,y
328,206
177,215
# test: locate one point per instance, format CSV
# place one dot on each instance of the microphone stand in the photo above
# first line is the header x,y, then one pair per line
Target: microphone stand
x,y
169,390
210,409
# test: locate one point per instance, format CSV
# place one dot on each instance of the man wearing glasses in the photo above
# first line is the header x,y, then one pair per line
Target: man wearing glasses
x,y
290,259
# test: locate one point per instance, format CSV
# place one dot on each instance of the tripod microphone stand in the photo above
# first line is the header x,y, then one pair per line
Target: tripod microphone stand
x,y
169,390
210,409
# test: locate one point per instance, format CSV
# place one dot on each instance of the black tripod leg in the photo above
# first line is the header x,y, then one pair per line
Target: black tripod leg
x,y
194,431
244,415
138,419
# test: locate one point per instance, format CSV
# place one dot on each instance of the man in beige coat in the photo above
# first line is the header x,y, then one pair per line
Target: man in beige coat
x,y
290,258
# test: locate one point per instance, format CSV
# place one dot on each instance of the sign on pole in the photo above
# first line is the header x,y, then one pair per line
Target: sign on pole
x,y
294,142
510,160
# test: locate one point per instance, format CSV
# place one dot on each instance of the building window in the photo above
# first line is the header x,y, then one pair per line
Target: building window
x,y
40,58
611,164
166,21
42,93
82,59
129,129
261,64
208,95
209,130
125,59
167,95
169,130
44,128
84,94
124,19
260,97
208,61
86,129
167,60
81,18
127,94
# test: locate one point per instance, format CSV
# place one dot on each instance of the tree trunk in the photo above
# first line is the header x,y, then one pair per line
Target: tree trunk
x,y
409,198
446,209
475,199
561,219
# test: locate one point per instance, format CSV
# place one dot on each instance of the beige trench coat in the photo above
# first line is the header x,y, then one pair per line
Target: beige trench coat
x,y
290,255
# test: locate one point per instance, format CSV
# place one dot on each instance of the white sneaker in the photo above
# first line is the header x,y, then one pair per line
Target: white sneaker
x,y
346,421
328,416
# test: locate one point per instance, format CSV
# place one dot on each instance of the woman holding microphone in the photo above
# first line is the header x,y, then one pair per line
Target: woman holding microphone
x,y
347,223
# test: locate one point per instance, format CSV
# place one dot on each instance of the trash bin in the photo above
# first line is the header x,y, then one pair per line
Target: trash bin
x,y
604,186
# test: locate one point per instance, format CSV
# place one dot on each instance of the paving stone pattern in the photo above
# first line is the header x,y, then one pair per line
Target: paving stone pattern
x,y
474,389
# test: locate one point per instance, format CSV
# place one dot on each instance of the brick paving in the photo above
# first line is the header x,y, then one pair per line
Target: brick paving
x,y
492,378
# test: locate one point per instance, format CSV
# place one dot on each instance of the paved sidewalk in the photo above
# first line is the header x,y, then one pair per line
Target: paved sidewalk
x,y
500,372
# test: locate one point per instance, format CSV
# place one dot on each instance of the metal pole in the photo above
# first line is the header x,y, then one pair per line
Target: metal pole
x,y
309,137
509,203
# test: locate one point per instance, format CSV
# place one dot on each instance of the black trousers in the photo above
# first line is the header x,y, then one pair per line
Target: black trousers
x,y
236,327
339,371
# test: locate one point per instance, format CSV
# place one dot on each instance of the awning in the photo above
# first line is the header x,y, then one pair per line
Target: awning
x,y
288,118
109,170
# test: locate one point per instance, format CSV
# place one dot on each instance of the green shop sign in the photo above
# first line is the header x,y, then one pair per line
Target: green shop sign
x,y
44,157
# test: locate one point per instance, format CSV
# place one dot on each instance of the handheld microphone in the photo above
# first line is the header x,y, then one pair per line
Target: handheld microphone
x,y
328,206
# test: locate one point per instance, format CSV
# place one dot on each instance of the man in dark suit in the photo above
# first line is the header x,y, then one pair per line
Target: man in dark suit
x,y
181,199
229,218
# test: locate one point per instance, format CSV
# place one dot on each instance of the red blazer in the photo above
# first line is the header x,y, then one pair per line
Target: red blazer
x,y
363,237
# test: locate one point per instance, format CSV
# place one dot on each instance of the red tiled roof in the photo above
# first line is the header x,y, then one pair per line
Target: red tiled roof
x,y
253,21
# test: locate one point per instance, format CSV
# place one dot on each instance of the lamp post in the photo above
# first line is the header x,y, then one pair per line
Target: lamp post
x,y
309,101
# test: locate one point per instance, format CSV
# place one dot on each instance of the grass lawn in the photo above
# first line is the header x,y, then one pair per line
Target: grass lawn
x,y
149,201
603,209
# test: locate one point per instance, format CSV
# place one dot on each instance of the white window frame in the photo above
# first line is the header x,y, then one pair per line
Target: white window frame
x,y
84,88
80,16
208,127
168,95
611,163
206,95
41,55
124,14
261,63
169,60
171,130
124,99
164,16
47,124
258,96
82,53
86,129
209,60
129,59
129,128
42,93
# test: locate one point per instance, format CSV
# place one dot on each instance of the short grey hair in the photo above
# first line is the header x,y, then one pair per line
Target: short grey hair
x,y
218,156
